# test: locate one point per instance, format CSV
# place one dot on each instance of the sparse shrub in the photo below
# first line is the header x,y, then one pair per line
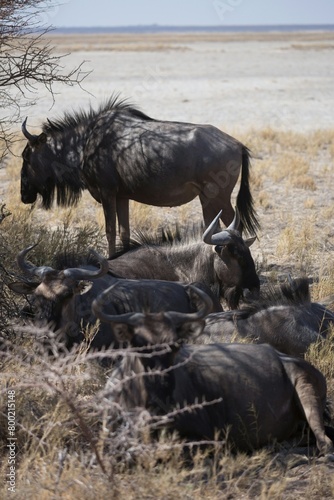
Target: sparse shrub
x,y
304,182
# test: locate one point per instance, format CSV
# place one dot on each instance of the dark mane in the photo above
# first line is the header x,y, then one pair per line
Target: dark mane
x,y
166,236
294,293
70,120
68,259
67,191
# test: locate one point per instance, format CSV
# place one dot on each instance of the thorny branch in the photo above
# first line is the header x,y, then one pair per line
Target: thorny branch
x,y
27,62
62,376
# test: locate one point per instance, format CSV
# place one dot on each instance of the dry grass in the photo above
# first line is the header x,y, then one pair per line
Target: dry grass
x,y
71,443
270,141
323,288
293,193
67,447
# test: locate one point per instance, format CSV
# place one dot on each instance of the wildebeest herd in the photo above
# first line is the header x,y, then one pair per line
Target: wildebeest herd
x,y
172,292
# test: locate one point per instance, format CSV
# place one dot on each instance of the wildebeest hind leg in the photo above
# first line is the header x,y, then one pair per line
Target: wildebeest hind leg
x,y
211,207
311,405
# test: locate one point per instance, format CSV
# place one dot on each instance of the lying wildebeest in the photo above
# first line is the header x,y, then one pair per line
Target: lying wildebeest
x,y
222,262
63,298
285,319
119,154
252,394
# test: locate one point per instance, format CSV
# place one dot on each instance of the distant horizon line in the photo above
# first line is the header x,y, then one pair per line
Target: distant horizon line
x,y
161,27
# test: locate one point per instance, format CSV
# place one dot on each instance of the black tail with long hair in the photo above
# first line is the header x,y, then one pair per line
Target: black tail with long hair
x,y
245,203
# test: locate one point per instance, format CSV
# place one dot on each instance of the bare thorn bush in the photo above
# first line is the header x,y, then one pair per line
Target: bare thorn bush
x,y
27,61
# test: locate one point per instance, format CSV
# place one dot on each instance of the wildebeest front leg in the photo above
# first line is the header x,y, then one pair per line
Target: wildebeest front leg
x,y
122,208
109,208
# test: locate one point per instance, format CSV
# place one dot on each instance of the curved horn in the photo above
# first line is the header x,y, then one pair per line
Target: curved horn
x,y
82,274
234,226
204,309
29,268
31,137
130,318
208,233
223,237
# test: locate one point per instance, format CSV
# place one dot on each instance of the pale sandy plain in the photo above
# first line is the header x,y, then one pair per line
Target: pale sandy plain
x,y
235,82
278,87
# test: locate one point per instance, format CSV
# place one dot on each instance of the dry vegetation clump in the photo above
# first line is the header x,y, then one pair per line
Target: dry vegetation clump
x,y
323,288
18,231
321,355
72,442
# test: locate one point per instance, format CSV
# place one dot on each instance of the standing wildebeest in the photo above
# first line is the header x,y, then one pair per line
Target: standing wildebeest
x,y
285,319
252,394
119,154
63,298
222,262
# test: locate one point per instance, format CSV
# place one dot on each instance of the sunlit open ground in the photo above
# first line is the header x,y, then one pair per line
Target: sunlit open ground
x,y
275,93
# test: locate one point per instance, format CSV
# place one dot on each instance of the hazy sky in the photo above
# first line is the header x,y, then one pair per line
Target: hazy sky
x,y
190,12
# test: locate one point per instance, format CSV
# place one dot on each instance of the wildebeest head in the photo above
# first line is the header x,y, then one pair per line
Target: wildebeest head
x,y
54,290
284,317
143,329
46,169
35,171
235,267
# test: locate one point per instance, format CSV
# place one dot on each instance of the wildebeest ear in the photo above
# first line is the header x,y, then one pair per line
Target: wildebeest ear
x,y
83,287
41,139
249,242
23,287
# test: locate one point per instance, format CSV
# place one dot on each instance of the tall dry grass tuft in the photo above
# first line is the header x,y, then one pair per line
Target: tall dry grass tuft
x,y
321,355
323,287
298,243
52,402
